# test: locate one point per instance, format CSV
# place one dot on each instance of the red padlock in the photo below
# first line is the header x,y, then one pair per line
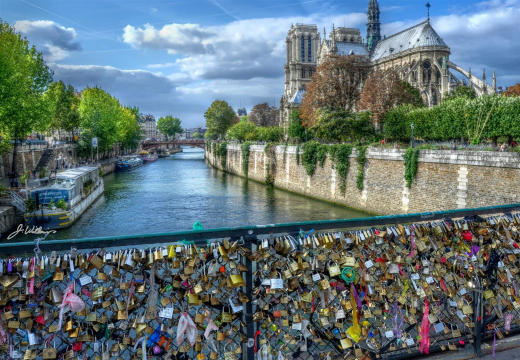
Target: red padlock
x,y
77,346
40,320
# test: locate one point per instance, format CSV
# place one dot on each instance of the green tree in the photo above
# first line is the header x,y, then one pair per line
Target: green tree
x,y
219,118
24,77
128,128
270,133
196,135
462,91
339,125
243,131
99,116
64,107
296,130
169,126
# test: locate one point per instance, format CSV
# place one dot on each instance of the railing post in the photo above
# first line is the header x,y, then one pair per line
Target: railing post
x,y
478,318
249,354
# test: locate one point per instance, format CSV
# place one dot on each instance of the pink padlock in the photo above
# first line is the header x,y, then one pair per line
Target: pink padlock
x,y
156,350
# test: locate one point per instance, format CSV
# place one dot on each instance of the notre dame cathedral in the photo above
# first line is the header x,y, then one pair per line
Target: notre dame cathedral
x,y
418,54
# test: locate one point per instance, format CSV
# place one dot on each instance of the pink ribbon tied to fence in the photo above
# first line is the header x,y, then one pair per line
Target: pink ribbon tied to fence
x,y
424,343
186,328
72,300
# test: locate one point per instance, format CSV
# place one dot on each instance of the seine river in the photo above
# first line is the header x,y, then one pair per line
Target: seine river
x,y
173,193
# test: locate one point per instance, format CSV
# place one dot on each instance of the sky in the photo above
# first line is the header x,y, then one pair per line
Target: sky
x,y
174,57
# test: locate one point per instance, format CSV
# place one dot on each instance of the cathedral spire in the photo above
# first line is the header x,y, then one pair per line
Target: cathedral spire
x,y
333,40
494,83
373,25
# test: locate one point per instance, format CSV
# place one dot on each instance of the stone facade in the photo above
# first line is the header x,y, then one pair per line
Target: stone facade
x,y
445,179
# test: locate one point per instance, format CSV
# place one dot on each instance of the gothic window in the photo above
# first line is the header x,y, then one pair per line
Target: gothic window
x,y
434,98
309,49
303,73
414,75
303,47
310,74
427,71
438,77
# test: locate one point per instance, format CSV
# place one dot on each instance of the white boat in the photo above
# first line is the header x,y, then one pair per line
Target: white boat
x,y
60,204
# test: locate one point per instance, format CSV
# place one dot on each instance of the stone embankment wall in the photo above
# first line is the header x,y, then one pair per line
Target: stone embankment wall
x,y
27,158
445,179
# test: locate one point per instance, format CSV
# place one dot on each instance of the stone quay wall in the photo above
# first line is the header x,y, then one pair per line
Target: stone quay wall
x,y
445,179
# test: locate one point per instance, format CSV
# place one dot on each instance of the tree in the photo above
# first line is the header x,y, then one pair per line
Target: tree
x,y
99,116
242,131
462,91
128,128
64,107
169,126
512,90
264,115
335,84
339,125
196,135
384,90
24,78
296,130
219,117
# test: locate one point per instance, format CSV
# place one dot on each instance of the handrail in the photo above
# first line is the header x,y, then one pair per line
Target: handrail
x,y
201,236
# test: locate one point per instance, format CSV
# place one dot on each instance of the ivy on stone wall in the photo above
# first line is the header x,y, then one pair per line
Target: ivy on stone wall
x,y
361,160
340,156
222,153
298,154
313,153
411,161
310,156
322,154
245,158
270,150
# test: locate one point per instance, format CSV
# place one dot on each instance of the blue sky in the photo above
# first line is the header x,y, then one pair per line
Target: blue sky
x,y
177,56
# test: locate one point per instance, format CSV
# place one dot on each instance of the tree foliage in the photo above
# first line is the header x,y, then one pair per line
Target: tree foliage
x,y
462,91
486,117
384,90
247,131
296,130
335,84
99,115
264,115
512,90
219,118
64,104
24,77
338,125
169,126
128,128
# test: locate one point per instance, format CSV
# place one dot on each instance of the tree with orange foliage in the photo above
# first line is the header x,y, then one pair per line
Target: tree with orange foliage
x,y
512,91
383,91
336,84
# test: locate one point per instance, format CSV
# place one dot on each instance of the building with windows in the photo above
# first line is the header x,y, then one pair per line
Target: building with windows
x,y
149,128
418,54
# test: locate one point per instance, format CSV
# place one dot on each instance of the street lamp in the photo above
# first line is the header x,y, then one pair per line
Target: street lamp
x,y
411,138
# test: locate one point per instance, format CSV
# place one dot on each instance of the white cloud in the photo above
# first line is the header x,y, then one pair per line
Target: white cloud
x,y
176,38
242,49
52,39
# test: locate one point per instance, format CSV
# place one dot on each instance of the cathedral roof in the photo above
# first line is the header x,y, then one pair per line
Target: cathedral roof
x,y
297,97
345,48
416,36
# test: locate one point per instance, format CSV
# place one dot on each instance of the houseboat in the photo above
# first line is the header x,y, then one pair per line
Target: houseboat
x,y
60,204
128,163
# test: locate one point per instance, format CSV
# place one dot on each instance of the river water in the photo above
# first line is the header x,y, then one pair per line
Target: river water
x,y
173,193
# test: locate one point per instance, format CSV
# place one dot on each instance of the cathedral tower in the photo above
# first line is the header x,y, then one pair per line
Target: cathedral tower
x,y
373,25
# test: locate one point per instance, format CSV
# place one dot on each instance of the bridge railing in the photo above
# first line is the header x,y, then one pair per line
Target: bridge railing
x,y
275,288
